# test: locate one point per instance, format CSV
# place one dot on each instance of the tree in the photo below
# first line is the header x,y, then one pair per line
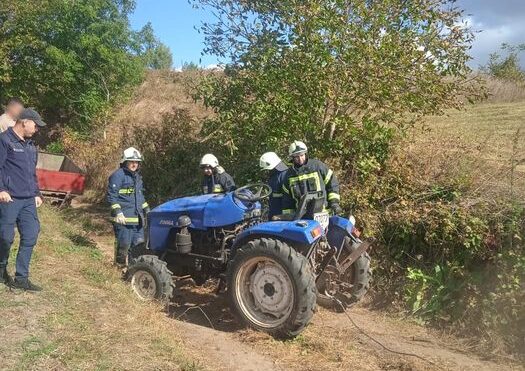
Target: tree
x,y
343,75
507,68
155,54
70,59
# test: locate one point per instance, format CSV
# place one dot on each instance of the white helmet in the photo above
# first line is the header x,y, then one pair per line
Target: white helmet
x,y
209,160
131,154
297,148
269,161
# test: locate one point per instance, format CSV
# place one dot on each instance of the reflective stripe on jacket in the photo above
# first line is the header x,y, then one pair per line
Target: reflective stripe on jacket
x,y
314,176
126,195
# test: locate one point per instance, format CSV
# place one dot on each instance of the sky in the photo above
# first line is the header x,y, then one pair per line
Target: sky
x,y
174,22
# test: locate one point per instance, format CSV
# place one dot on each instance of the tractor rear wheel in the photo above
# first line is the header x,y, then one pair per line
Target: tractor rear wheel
x,y
271,287
150,278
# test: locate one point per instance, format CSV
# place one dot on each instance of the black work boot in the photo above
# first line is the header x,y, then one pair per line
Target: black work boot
x,y
25,284
122,254
4,276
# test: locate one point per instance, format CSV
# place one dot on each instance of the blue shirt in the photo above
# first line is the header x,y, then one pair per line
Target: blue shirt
x,y
18,158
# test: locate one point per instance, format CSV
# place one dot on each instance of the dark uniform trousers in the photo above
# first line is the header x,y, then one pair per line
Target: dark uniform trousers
x,y
22,214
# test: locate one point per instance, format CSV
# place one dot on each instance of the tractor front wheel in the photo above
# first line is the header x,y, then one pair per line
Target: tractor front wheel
x,y
150,278
272,287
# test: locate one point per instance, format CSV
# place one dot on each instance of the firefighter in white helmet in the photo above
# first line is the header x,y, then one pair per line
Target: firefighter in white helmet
x,y
308,175
215,179
276,168
128,205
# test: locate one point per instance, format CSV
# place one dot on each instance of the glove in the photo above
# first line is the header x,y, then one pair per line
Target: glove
x,y
120,219
336,209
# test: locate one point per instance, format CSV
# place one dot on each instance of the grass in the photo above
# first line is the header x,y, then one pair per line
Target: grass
x,y
479,147
86,317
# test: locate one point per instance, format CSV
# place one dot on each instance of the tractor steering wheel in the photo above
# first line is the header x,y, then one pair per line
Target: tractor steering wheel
x,y
253,192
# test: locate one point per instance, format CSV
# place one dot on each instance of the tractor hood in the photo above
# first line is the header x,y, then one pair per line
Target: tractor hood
x,y
205,211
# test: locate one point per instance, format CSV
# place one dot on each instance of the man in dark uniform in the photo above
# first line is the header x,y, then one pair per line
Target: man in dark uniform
x,y
276,172
128,205
19,197
308,175
215,180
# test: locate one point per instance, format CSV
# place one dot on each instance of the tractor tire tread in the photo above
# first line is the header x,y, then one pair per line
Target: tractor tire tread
x,y
301,273
159,269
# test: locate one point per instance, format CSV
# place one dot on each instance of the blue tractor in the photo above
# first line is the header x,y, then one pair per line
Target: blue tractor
x,y
274,271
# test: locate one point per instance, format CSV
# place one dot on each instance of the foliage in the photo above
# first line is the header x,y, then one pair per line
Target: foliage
x,y
190,66
155,55
56,147
506,68
341,75
72,59
449,260
171,157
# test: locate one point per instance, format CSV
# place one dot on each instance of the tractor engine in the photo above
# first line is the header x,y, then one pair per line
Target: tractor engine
x,y
200,254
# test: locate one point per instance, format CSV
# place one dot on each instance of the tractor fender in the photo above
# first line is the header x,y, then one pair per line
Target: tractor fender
x,y
297,232
338,229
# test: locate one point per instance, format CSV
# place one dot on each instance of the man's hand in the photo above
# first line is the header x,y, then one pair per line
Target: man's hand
x,y
120,219
38,201
5,197
336,209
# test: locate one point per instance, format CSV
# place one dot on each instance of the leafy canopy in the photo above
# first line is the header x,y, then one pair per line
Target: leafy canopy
x,y
72,59
344,75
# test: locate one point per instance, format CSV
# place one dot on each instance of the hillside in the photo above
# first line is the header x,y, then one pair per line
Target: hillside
x,y
479,137
484,142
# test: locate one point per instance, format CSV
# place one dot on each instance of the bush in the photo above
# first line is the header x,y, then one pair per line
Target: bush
x,y
171,153
448,261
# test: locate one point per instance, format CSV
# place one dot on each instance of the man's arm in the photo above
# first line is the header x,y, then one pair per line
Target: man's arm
x,y
4,195
37,190
3,159
228,184
288,203
145,205
332,188
114,183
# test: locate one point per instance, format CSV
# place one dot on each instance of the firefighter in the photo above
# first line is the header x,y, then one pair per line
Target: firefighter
x,y
308,175
276,171
128,205
215,180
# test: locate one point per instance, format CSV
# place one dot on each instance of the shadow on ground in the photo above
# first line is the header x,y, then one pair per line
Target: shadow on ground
x,y
202,306
94,218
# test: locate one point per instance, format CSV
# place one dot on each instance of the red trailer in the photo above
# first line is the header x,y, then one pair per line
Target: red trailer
x,y
59,179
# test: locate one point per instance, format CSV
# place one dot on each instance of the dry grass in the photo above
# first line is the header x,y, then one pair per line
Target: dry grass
x,y
501,91
160,94
86,318
483,147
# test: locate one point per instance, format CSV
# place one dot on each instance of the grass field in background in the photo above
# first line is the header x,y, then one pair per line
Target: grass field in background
x,y
484,144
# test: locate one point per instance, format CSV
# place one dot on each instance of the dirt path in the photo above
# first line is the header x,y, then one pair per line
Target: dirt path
x,y
204,323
